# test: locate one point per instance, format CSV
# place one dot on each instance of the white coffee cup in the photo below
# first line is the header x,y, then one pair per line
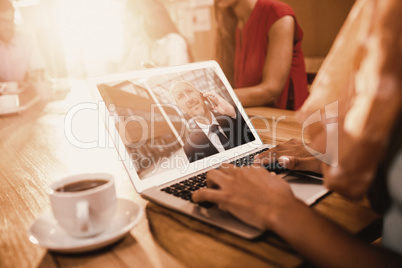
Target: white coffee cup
x,y
85,212
9,104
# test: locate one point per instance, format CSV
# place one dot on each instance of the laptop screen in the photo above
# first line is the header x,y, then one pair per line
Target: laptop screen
x,y
174,118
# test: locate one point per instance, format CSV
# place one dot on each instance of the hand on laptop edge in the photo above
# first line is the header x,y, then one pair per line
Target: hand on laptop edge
x,y
291,155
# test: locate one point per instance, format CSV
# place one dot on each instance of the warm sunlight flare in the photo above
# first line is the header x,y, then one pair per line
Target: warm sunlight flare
x,y
92,33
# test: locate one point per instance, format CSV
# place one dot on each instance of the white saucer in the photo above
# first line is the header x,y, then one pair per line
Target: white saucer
x,y
45,231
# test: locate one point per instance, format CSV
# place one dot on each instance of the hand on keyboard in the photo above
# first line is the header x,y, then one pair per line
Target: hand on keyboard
x,y
249,193
185,188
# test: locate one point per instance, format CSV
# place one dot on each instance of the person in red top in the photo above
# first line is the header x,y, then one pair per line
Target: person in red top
x,y
259,49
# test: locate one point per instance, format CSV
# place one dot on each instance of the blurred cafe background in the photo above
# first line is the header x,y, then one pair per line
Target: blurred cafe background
x,y
78,39
81,38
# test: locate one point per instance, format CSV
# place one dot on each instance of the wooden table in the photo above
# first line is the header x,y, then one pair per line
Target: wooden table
x,y
35,152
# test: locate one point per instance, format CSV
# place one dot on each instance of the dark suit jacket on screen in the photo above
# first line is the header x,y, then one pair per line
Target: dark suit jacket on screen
x,y
236,130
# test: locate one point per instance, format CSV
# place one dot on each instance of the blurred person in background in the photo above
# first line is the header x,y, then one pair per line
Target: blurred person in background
x,y
259,49
20,57
157,42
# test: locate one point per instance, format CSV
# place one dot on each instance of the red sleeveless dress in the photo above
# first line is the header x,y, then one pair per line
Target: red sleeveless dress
x,y
251,52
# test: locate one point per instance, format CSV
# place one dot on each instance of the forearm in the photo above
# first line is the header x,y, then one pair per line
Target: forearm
x,y
326,244
260,95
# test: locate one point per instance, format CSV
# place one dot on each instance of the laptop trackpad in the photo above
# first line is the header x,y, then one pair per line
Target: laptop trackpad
x,y
307,188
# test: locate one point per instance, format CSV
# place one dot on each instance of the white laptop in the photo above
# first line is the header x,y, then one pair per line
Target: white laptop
x,y
155,119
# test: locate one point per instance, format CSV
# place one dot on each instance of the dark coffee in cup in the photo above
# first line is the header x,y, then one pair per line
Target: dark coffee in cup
x,y
84,204
81,185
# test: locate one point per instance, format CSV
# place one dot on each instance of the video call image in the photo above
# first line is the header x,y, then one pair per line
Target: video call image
x,y
169,121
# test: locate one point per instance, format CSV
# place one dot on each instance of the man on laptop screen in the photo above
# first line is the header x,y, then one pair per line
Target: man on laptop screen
x,y
213,131
167,121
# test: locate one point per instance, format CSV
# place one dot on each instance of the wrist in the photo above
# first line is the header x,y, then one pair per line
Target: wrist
x,y
282,216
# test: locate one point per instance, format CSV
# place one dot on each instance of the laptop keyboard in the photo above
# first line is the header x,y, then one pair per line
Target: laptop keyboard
x,y
185,188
